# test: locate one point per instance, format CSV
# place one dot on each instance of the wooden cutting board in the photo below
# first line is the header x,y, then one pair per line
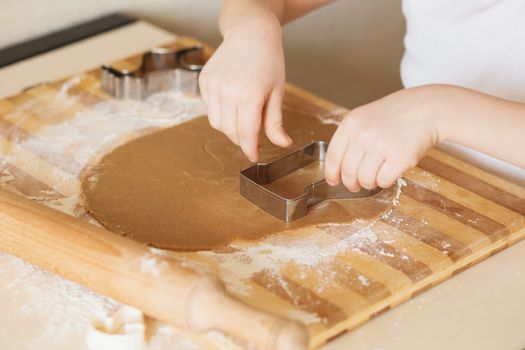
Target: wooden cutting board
x,y
332,277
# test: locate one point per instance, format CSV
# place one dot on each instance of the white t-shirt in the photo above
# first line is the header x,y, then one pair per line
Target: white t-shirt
x,y
478,44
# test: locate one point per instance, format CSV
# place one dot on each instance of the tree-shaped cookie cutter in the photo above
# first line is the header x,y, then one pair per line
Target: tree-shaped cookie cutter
x,y
255,177
161,69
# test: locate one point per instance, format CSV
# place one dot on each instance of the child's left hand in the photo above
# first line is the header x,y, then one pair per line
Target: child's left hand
x,y
376,143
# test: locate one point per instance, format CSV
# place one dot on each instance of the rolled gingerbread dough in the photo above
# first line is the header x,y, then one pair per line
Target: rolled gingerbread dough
x,y
178,188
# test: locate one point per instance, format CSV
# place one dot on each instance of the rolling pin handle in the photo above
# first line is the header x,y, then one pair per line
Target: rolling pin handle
x,y
290,336
207,289
209,305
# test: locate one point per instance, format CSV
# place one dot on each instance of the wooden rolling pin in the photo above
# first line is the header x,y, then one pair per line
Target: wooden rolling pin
x,y
111,265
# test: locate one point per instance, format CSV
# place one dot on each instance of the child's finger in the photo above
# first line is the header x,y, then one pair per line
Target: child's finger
x,y
352,160
389,172
214,110
229,119
367,173
334,156
273,120
202,89
249,123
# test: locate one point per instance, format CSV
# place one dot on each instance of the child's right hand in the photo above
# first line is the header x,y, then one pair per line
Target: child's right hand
x,y
243,85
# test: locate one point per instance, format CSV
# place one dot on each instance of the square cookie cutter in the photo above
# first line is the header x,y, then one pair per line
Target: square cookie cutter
x,y
253,179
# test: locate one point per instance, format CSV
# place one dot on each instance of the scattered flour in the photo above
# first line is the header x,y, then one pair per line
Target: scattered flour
x,y
364,281
67,205
400,184
152,265
314,251
309,250
44,308
166,337
72,144
303,316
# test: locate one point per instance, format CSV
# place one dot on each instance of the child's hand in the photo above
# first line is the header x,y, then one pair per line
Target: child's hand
x,y
377,142
243,85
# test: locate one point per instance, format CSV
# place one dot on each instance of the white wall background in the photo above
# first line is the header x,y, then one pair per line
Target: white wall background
x,y
348,52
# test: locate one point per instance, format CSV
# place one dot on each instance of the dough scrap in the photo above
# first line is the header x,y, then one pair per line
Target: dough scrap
x,y
124,330
178,188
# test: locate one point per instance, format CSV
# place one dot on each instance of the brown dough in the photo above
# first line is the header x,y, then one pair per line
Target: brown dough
x,y
179,188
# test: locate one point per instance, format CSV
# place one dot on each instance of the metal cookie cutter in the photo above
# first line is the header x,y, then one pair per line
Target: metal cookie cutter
x,y
255,177
161,69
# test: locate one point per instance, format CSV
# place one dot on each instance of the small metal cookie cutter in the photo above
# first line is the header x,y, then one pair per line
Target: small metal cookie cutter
x,y
161,69
255,177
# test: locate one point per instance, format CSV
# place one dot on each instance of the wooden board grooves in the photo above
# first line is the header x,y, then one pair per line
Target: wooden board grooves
x,y
17,135
87,89
300,296
360,283
414,269
428,235
473,184
27,184
13,132
385,253
467,216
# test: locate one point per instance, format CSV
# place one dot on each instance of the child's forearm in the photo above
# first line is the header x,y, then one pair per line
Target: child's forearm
x,y
260,13
292,9
486,123
264,12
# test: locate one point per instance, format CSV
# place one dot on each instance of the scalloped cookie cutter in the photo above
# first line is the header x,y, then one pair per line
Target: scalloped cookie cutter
x,y
161,69
255,177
